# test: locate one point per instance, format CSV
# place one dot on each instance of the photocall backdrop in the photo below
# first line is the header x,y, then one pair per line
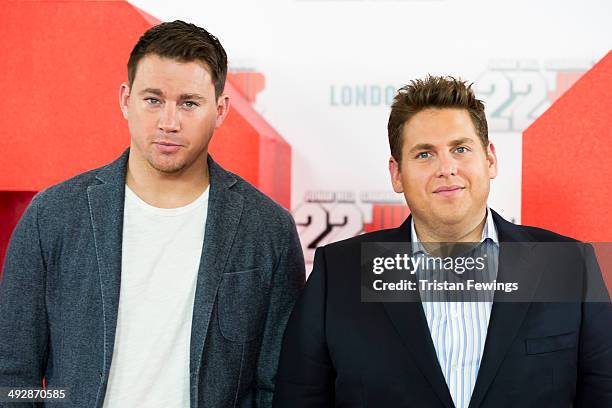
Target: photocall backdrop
x,y
311,82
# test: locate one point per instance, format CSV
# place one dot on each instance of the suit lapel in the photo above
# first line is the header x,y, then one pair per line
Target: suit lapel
x,y
106,211
506,317
224,212
409,321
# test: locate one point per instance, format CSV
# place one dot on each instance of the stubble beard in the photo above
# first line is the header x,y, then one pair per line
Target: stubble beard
x,y
169,170
168,167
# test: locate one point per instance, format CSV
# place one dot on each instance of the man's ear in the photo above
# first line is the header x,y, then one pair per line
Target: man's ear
x,y
223,107
124,97
492,161
396,175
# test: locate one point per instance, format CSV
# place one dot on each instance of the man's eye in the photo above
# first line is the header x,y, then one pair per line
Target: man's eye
x,y
152,101
190,104
423,155
461,149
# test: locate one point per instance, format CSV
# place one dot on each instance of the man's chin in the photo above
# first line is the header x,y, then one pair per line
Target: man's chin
x,y
450,216
167,167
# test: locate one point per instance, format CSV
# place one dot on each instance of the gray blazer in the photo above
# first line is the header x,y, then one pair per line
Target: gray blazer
x,y
59,292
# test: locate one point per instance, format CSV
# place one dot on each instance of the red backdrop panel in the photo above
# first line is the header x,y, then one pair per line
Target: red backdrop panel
x,y
567,165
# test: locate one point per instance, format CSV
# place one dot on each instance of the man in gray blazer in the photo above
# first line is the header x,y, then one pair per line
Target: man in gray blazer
x,y
160,279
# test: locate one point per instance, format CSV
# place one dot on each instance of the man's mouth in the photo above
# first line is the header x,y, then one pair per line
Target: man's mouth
x,y
449,191
166,146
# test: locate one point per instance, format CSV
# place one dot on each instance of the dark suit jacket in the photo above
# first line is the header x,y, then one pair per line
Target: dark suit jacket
x,y
338,351
59,292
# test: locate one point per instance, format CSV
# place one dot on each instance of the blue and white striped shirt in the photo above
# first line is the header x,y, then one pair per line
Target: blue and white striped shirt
x,y
459,329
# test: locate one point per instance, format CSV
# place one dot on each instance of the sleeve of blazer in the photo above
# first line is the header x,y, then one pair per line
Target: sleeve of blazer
x,y
306,374
23,316
287,282
594,388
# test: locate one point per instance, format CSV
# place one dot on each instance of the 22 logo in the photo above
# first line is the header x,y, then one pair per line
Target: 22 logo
x,y
513,99
318,225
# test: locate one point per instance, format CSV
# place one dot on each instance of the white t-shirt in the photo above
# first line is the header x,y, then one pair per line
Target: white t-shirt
x,y
159,268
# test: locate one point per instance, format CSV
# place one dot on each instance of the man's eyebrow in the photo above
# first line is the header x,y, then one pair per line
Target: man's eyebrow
x,y
421,146
192,96
427,146
159,92
463,140
153,91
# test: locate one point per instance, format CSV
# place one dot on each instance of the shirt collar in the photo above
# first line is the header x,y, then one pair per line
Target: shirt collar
x,y
488,232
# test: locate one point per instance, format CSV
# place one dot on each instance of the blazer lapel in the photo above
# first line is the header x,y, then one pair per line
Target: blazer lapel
x,y
506,317
409,321
106,212
224,212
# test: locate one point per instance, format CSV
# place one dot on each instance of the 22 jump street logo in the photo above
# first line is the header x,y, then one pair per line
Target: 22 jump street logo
x,y
329,216
516,92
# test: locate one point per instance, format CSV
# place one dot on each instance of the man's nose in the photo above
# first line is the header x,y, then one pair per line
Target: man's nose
x,y
447,165
169,120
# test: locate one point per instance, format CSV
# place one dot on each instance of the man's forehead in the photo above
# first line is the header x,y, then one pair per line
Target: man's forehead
x,y
439,126
153,68
443,140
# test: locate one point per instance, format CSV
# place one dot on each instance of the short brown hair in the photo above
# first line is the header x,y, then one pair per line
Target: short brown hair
x,y
184,42
433,92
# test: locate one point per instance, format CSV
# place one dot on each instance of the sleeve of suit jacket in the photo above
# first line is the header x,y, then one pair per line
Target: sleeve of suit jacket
x,y
594,388
23,319
306,374
288,281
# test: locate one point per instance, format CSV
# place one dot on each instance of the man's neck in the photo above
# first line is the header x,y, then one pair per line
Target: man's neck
x,y
165,190
470,231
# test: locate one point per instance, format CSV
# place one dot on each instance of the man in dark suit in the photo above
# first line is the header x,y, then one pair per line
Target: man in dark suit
x,y
546,345
160,279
